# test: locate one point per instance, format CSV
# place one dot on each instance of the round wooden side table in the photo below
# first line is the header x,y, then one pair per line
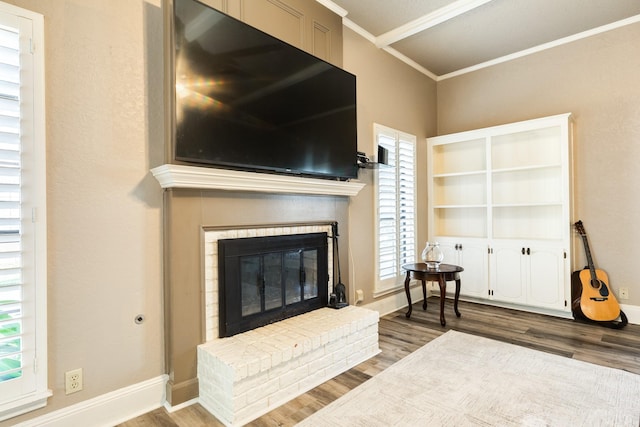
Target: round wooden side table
x,y
445,273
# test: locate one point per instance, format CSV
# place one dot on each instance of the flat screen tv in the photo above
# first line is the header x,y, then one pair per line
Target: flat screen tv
x,y
246,100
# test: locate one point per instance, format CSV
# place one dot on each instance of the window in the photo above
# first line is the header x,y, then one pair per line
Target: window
x,y
23,316
396,237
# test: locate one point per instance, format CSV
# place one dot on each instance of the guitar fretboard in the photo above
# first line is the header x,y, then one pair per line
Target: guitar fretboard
x,y
587,251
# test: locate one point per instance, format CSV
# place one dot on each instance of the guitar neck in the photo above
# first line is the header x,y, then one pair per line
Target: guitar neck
x,y
587,252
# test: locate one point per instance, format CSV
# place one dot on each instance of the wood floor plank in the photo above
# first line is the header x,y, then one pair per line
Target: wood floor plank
x,y
399,337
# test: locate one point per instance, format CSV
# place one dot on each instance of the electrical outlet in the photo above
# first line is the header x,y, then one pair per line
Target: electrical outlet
x,y
73,381
624,293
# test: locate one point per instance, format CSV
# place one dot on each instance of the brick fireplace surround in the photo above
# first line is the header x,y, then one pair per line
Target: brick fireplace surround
x,y
245,376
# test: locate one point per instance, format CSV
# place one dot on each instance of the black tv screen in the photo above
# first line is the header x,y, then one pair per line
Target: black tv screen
x,y
246,100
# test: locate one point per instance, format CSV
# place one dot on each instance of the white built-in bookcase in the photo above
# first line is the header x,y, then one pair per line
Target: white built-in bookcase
x,y
497,192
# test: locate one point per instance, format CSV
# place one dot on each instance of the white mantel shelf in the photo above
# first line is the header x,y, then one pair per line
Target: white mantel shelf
x,y
181,176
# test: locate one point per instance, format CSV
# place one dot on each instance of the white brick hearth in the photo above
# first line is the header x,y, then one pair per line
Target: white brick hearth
x,y
245,376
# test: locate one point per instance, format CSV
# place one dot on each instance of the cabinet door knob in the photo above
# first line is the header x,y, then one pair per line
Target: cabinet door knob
x,y
522,251
528,251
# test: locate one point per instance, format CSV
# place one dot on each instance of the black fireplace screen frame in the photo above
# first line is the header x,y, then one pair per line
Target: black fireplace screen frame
x,y
231,252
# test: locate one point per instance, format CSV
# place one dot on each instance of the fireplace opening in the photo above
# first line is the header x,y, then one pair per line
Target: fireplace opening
x,y
266,279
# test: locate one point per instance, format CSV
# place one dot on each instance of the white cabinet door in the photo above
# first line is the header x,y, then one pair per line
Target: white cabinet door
x,y
472,255
526,274
449,248
545,281
474,259
507,273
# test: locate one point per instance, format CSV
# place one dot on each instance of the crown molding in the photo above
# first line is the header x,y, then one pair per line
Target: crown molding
x,y
545,46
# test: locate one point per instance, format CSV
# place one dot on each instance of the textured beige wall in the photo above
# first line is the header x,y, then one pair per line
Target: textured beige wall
x,y
104,114
395,95
597,80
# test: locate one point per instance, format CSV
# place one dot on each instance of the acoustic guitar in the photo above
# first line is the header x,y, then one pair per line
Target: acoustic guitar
x,y
596,301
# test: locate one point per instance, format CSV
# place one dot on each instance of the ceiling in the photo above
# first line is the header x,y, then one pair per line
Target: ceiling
x,y
444,38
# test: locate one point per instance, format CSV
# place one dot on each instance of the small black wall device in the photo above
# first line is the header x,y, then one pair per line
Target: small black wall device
x,y
383,155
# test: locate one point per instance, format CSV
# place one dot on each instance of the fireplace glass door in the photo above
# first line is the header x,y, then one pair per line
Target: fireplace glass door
x,y
265,279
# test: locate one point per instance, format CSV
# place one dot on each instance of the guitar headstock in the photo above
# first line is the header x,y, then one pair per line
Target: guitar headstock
x,y
580,228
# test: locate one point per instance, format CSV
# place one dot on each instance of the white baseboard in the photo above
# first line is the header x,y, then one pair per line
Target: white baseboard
x,y
109,409
179,406
632,312
394,302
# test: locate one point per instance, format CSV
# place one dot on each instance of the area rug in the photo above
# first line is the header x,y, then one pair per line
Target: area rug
x,y
464,380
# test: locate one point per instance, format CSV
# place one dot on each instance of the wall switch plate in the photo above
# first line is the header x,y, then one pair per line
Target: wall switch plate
x,y
73,381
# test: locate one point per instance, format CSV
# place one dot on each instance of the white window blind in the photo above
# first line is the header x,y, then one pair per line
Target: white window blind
x,y
11,330
396,243
22,214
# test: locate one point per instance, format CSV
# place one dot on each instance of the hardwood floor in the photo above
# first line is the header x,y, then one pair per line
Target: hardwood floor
x,y
399,336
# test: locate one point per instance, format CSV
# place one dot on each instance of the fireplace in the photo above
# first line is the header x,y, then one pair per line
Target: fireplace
x,y
243,376
210,262
270,278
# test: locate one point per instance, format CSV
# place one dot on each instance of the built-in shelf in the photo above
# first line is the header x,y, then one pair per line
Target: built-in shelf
x,y
182,176
455,174
458,206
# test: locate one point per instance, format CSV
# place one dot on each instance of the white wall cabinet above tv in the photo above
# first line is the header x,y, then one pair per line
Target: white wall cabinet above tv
x,y
508,190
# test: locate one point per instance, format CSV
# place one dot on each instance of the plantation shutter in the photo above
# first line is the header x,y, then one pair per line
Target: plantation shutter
x,y
396,204
23,244
11,295
387,211
406,202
